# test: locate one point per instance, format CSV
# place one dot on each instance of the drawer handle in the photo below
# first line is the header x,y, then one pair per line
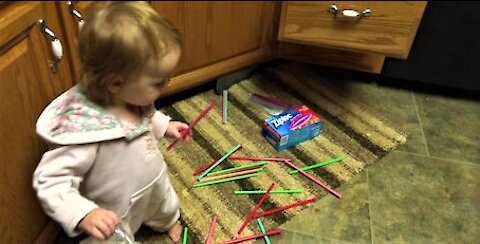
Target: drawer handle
x,y
56,46
76,14
351,13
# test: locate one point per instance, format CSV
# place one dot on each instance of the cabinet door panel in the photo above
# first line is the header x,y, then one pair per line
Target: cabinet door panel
x,y
214,31
219,37
27,84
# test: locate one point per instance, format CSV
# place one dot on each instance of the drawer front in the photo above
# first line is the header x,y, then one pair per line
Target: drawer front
x,y
389,30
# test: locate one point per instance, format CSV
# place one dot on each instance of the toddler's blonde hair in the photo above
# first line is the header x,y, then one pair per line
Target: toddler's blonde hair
x,y
117,40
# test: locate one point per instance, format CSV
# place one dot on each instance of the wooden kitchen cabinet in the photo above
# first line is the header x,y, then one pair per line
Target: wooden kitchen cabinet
x,y
219,36
347,30
27,84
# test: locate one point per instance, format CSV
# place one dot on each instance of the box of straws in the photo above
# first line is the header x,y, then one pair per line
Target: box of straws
x,y
293,126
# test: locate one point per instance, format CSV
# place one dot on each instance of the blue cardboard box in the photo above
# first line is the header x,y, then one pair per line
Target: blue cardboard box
x,y
291,127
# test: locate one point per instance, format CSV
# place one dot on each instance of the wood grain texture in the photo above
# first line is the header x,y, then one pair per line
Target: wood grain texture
x,y
364,62
26,86
219,37
389,31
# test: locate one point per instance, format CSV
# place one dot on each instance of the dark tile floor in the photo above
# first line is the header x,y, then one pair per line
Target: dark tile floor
x,y
426,191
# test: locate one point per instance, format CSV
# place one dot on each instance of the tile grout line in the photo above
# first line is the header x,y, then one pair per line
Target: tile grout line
x,y
369,206
297,232
445,159
420,122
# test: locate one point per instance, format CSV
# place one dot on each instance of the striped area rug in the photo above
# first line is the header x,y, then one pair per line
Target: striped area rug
x,y
351,131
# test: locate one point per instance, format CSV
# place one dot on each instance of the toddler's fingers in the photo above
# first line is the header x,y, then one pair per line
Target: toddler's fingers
x,y
97,234
111,224
104,229
113,218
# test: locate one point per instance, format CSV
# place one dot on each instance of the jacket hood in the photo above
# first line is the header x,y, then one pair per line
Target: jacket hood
x,y
73,119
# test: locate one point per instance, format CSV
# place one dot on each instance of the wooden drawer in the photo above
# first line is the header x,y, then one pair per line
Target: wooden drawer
x,y
389,30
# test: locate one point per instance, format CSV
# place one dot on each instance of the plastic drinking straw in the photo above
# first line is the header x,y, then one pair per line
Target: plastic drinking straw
x,y
291,164
224,176
244,158
225,106
251,158
244,169
234,149
237,168
204,167
224,180
262,229
254,210
223,109
211,230
327,162
190,127
286,191
275,210
185,231
272,232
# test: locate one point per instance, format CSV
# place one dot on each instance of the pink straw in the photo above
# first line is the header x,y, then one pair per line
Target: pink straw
x,y
210,231
254,210
289,162
190,127
275,210
272,232
252,158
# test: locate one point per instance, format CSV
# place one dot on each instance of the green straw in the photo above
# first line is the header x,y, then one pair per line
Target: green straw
x,y
225,106
185,231
331,161
218,162
260,224
237,168
224,180
289,191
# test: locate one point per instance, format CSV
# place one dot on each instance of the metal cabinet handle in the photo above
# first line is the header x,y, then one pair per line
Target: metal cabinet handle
x,y
351,13
56,46
76,14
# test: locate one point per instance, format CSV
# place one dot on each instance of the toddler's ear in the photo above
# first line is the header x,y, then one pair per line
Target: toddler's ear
x,y
115,83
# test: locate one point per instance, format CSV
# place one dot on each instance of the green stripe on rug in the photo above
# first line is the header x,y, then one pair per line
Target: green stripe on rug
x,y
352,131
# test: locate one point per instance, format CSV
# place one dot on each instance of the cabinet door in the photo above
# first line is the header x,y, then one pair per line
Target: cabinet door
x,y
219,37
27,84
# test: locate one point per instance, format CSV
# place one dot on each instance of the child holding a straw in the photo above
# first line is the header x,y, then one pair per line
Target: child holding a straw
x,y
106,168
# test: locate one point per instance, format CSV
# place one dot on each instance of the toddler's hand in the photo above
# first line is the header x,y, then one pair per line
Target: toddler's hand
x,y
175,129
100,223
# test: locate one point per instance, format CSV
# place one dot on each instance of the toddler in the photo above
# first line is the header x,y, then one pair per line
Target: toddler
x,y
106,171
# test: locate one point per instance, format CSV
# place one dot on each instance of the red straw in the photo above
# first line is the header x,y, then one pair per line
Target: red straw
x,y
204,167
190,127
275,210
254,210
313,179
210,231
272,232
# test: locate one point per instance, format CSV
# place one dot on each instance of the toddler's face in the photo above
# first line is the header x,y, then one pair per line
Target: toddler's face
x,y
145,88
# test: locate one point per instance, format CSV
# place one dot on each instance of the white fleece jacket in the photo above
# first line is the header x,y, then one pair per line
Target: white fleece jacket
x,y
98,162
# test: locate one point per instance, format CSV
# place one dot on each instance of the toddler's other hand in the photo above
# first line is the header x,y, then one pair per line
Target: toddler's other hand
x,y
100,223
175,129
